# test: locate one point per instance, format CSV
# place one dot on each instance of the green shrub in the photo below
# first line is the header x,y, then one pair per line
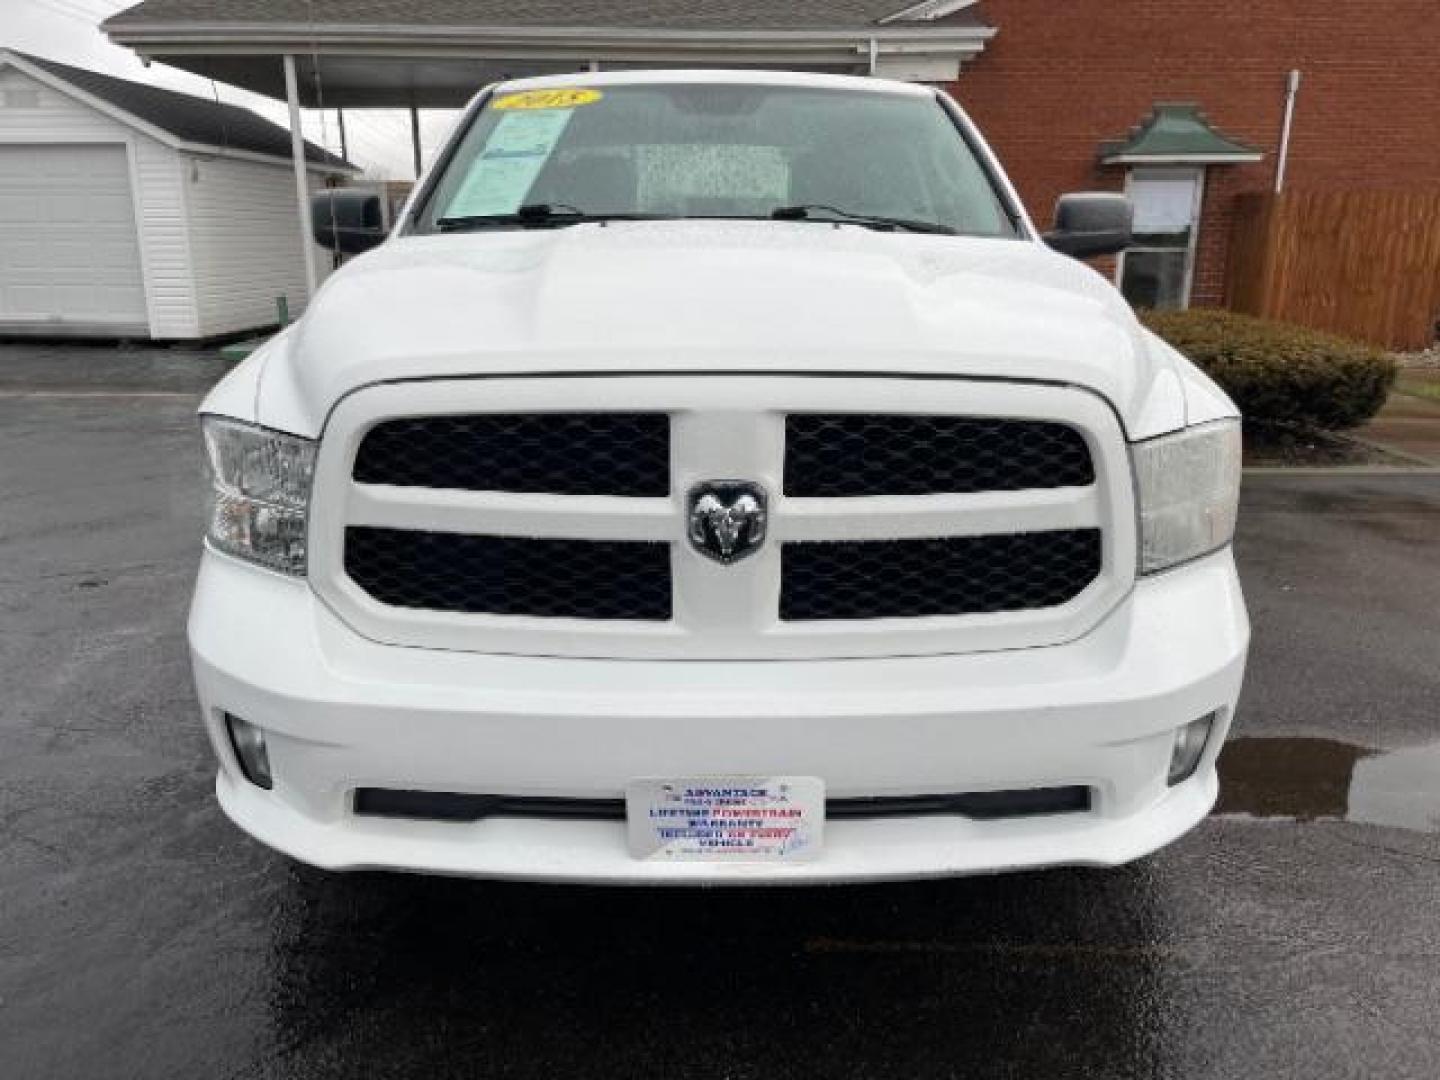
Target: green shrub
x,y
1281,374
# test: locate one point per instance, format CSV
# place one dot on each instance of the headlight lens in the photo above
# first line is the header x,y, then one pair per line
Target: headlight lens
x,y
1189,488
259,491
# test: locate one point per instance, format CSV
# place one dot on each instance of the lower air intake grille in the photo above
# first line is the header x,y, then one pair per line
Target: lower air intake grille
x,y
503,575
961,575
461,806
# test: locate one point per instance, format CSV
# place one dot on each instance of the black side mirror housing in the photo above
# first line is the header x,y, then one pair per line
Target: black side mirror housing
x,y
347,221
1091,223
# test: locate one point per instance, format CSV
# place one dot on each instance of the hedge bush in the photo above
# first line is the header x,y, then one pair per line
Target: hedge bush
x,y
1281,374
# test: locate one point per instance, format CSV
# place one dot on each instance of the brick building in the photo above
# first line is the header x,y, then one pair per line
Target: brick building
x,y
1059,80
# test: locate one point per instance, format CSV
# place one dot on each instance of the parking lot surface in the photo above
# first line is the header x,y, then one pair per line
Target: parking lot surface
x,y
1295,934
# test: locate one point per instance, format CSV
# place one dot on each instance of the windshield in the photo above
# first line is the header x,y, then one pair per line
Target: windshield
x,y
549,157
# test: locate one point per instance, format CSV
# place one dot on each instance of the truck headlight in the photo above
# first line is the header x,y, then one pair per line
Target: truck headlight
x,y
259,492
1188,485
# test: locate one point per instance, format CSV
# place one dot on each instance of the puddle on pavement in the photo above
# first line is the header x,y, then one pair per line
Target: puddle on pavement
x,y
1314,779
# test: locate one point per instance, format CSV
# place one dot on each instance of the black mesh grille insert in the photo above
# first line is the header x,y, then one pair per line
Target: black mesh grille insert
x,y
503,575
554,453
828,456
958,575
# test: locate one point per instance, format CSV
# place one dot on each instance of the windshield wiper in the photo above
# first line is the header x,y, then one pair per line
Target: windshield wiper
x,y
552,215
535,216
815,212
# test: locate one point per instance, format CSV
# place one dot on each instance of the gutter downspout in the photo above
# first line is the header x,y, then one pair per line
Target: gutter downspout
x,y
302,184
1292,90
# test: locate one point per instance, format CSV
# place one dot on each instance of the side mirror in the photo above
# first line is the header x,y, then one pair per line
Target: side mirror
x,y
1091,223
347,221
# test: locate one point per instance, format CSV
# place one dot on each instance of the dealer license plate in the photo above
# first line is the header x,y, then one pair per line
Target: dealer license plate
x,y
726,818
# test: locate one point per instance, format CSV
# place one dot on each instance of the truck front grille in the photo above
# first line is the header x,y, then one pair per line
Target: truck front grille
x,y
506,575
944,515
954,575
851,454
557,453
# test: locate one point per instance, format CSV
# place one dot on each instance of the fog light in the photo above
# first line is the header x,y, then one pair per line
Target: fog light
x,y
249,743
1190,743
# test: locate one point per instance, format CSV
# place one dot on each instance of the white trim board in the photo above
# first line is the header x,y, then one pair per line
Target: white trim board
x,y
1183,159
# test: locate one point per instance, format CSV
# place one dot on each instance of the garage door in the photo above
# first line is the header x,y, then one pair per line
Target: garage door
x,y
68,252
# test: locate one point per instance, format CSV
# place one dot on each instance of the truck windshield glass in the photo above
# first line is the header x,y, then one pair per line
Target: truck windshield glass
x,y
543,158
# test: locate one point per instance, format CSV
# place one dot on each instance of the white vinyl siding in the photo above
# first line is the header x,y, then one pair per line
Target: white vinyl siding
x,y
245,242
165,244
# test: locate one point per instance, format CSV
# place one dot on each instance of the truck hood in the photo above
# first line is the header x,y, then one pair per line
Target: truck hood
x,y
716,296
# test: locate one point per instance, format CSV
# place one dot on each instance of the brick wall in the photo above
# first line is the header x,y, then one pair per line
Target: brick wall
x,y
1063,75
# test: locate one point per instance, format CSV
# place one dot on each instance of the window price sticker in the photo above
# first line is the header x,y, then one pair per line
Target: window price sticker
x,y
503,173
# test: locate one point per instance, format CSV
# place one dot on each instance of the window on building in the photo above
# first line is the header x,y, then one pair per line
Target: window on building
x,y
1157,270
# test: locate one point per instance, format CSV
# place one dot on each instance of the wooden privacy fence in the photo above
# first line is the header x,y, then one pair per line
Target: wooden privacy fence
x,y
1365,264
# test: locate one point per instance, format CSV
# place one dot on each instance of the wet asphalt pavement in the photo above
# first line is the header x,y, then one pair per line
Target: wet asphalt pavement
x,y
1295,934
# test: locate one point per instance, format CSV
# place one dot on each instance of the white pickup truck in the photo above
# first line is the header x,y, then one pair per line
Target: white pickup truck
x,y
715,478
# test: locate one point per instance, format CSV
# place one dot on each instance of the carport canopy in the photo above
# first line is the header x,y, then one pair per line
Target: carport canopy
x,y
437,53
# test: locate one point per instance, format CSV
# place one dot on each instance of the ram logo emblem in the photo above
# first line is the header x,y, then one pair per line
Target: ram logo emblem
x,y
726,519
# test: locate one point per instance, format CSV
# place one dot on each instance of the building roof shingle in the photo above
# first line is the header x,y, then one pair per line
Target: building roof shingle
x,y
637,14
188,118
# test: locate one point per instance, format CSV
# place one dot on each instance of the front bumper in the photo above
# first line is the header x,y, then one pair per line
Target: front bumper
x,y
342,712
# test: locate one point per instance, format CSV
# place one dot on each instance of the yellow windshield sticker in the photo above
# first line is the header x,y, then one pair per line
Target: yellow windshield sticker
x,y
563,98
